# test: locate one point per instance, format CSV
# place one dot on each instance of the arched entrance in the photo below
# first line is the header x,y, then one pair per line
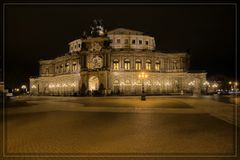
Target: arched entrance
x,y
93,83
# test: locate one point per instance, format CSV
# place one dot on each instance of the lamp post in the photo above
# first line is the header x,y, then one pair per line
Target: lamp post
x,y
167,84
143,76
191,84
24,88
215,86
235,86
121,85
206,84
230,84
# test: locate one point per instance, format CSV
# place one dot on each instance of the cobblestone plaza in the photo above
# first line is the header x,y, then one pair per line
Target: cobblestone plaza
x,y
120,126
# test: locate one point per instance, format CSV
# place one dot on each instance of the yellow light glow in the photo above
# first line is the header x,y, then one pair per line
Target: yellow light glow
x,y
142,75
122,83
215,85
23,86
206,83
33,86
73,84
192,83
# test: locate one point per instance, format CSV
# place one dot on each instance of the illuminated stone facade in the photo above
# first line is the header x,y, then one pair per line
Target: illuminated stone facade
x,y
111,63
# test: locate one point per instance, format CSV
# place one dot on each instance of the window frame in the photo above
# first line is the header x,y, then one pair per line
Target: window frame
x,y
127,64
157,65
115,64
148,64
138,64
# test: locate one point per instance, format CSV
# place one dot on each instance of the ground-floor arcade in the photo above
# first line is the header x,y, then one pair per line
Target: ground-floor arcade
x,y
118,83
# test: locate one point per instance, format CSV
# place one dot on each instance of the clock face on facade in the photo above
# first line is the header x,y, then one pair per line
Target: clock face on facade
x,y
97,62
95,47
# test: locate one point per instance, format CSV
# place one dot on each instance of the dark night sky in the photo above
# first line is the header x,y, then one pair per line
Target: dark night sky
x,y
36,32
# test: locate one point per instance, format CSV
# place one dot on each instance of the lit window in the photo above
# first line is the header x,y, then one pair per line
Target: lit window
x,y
116,81
56,69
47,70
146,42
61,68
74,66
138,64
127,82
118,41
140,41
115,64
157,66
127,64
148,65
126,41
133,41
67,67
174,64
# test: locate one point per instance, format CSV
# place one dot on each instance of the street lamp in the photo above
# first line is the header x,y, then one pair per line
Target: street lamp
x,y
215,86
24,88
167,84
206,84
143,76
191,84
121,85
235,86
230,84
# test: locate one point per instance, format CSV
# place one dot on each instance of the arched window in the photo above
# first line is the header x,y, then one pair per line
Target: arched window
x,y
61,68
127,81
74,66
56,71
138,64
67,67
148,65
115,64
47,70
174,64
116,81
157,66
139,82
127,64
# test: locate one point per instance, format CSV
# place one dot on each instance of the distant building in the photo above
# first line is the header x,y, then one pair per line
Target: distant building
x,y
112,62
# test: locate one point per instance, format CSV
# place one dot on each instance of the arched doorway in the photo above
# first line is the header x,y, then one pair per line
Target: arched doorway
x,y
93,83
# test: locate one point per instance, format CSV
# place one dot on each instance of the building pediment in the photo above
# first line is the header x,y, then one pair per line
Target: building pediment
x,y
125,31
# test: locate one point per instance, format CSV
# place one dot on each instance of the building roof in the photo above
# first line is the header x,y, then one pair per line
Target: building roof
x,y
125,31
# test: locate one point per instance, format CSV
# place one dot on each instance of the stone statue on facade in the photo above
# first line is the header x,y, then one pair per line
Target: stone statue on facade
x,y
97,28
